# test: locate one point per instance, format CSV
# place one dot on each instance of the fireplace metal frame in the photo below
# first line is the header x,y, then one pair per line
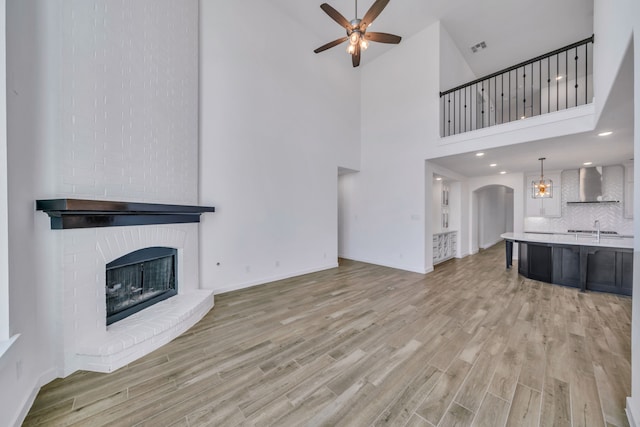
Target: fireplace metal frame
x,y
136,257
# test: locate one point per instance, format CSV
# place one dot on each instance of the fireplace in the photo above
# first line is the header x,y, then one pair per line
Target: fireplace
x,y
109,253
138,280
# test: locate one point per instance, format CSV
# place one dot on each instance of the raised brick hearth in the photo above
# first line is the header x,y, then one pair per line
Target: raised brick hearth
x,y
87,342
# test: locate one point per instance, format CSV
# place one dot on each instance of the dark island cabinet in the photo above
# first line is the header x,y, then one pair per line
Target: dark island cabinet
x,y
566,265
593,268
610,270
534,261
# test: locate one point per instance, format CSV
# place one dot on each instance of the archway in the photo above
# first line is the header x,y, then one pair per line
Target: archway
x,y
493,214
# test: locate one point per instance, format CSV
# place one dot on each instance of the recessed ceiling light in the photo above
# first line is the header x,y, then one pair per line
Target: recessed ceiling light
x,y
607,133
479,154
587,163
523,117
559,78
438,179
493,165
503,172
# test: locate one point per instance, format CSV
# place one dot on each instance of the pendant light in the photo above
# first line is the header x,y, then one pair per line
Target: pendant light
x,y
542,189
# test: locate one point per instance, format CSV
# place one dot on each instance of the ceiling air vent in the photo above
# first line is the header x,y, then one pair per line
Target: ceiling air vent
x,y
478,47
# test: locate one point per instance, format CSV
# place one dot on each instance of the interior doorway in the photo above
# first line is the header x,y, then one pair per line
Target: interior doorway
x,y
493,215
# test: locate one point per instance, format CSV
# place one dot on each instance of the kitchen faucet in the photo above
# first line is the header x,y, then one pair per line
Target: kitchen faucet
x,y
596,224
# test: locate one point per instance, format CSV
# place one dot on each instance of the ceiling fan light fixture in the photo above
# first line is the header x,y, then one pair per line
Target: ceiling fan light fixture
x,y
357,34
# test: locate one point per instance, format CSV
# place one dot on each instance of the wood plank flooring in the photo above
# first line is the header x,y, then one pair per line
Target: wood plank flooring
x,y
470,344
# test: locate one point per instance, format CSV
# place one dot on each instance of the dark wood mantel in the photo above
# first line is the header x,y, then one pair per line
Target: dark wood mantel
x,y
80,213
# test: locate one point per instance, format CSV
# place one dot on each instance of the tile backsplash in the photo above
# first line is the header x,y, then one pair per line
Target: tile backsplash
x,y
582,217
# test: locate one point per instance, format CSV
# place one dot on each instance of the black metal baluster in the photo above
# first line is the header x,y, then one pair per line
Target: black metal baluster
x,y
459,117
557,82
454,113
548,85
495,101
444,118
540,85
489,104
586,73
449,108
509,95
531,91
576,87
482,101
566,84
502,98
524,91
465,109
470,106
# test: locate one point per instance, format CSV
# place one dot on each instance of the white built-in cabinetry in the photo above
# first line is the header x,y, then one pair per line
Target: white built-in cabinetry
x,y
543,207
628,190
444,246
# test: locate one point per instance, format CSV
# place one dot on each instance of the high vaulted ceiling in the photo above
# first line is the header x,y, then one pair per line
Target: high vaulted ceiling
x,y
514,30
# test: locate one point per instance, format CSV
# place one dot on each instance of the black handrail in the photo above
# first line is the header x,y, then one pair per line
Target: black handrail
x,y
522,64
530,91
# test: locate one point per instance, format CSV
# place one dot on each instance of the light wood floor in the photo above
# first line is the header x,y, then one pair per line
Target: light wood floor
x,y
360,345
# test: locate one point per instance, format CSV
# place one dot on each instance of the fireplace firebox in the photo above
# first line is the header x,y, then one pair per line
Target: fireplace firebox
x,y
138,280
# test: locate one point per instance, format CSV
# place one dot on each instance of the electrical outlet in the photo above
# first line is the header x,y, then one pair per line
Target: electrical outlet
x,y
277,263
247,269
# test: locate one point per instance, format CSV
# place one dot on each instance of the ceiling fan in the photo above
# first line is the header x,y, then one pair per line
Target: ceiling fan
x,y
357,30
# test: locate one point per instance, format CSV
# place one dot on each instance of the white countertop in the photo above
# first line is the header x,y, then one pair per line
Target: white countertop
x,y
606,241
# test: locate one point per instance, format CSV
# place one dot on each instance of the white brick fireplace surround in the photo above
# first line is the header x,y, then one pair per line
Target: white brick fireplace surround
x,y
86,342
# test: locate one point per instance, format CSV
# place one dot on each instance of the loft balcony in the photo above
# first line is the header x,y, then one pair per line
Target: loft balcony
x,y
555,81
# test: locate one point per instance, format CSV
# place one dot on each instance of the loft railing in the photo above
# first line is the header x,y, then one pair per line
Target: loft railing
x,y
551,82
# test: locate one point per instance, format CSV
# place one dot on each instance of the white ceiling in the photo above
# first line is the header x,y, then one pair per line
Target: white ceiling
x,y
514,31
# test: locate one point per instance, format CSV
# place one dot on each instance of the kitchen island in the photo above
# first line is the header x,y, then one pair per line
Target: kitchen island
x,y
575,259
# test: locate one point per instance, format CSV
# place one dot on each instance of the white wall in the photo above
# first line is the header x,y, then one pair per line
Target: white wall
x,y
128,110
633,403
101,100
4,220
612,27
390,204
495,214
514,181
277,121
454,70
30,362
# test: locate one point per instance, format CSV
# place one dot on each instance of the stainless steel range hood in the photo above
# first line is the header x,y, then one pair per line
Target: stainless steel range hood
x,y
590,190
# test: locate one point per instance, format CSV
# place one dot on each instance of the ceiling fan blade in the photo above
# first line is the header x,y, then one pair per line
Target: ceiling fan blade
x,y
355,58
331,44
372,13
383,38
336,16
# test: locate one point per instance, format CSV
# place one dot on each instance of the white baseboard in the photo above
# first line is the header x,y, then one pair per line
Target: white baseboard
x,y
488,245
629,411
269,279
420,270
45,378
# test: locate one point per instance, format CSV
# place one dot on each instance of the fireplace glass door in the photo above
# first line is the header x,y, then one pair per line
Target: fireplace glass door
x,y
139,280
